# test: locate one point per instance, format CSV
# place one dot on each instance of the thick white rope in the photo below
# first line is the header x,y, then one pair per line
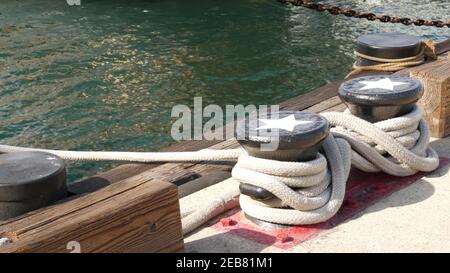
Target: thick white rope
x,y
194,216
318,195
397,146
5,241
313,191
319,191
143,157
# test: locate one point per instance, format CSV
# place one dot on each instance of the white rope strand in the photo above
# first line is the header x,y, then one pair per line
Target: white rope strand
x,y
304,192
143,157
371,141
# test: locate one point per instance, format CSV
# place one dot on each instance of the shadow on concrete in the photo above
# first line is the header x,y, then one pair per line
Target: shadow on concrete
x,y
441,171
419,190
412,194
229,242
442,147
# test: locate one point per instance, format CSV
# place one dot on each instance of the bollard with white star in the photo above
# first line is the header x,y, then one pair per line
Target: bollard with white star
x,y
283,136
380,97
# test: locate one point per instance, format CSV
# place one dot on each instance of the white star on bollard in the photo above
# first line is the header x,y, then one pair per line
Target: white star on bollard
x,y
287,123
385,83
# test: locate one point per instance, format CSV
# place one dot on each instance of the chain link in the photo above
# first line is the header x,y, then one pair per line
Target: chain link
x,y
365,15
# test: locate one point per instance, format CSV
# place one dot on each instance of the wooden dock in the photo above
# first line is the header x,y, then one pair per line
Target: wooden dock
x,y
120,211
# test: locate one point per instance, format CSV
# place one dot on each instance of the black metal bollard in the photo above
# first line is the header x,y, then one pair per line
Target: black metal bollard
x,y
30,180
387,46
380,97
299,137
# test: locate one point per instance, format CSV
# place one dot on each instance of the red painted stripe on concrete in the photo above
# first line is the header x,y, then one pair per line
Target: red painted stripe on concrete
x,y
363,190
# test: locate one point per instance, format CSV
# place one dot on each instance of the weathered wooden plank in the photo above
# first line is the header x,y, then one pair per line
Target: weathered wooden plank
x,y
130,216
442,47
124,171
325,105
435,102
447,128
311,98
337,108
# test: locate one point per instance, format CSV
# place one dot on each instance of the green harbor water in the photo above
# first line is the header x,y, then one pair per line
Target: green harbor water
x,y
105,75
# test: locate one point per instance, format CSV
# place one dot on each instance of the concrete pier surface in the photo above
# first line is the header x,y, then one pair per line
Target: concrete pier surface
x,y
413,219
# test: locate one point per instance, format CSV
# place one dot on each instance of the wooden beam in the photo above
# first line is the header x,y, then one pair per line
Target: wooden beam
x,y
435,49
134,215
435,102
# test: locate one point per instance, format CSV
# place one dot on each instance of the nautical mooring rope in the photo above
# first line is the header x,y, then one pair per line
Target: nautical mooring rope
x,y
386,65
397,146
312,191
140,157
306,192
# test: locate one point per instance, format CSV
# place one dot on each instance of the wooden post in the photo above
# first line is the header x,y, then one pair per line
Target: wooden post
x,y
134,215
435,102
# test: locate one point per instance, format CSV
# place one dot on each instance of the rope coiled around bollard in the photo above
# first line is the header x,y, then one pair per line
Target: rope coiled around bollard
x,y
387,65
306,192
312,192
397,146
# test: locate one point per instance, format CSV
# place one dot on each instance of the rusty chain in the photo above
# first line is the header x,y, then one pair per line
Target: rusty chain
x,y
334,10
